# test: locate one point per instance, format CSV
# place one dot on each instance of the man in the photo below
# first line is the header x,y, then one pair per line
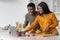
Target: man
x,y
30,16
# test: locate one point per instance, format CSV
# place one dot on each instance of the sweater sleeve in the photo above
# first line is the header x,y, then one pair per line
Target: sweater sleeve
x,y
54,21
26,20
32,25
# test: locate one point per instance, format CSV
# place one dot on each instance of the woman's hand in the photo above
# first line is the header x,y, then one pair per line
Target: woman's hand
x,y
47,29
23,32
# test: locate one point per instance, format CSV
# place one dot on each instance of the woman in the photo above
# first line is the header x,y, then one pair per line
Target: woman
x,y
47,21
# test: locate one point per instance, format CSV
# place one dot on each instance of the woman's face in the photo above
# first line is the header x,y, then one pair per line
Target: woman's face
x,y
40,9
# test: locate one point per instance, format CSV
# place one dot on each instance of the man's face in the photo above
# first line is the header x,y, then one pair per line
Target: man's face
x,y
31,10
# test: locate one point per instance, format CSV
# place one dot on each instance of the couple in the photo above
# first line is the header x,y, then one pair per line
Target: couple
x,y
44,20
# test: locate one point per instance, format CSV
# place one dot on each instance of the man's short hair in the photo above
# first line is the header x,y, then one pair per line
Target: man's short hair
x,y
31,5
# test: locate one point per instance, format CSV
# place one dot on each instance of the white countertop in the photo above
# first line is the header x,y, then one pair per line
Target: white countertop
x,y
4,35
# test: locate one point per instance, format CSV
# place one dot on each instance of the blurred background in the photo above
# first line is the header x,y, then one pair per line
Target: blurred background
x,y
12,11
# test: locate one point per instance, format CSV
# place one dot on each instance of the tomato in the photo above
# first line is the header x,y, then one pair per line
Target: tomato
x,y
28,35
19,33
33,34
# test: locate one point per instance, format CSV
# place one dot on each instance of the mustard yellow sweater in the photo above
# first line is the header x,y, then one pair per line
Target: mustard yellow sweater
x,y
49,21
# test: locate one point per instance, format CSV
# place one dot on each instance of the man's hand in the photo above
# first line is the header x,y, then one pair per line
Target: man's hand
x,y
23,25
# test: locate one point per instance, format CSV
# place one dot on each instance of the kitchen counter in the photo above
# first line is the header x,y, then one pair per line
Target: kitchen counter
x,y
4,35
